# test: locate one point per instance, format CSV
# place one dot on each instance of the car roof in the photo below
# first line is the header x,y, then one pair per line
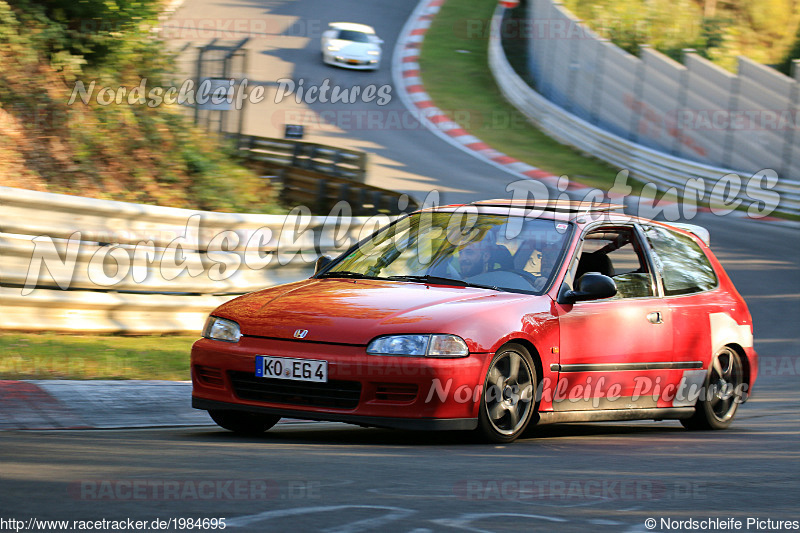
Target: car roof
x,y
562,210
559,206
556,209
352,26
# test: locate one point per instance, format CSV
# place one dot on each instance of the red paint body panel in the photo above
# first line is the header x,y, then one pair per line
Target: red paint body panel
x,y
351,363
356,311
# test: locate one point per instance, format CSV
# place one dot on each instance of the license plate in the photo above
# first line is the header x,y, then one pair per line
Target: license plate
x,y
354,61
290,368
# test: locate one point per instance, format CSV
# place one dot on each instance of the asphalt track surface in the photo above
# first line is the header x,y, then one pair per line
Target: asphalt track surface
x,y
341,478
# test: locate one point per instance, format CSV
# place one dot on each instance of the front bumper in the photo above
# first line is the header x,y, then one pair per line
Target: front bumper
x,y
354,62
419,424
397,392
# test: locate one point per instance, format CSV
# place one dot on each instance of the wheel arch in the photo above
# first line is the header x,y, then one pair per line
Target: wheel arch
x,y
532,350
746,370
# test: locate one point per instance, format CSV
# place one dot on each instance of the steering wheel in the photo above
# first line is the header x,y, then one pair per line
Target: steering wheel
x,y
534,281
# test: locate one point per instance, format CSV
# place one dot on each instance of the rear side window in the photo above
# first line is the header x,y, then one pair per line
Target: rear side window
x,y
684,266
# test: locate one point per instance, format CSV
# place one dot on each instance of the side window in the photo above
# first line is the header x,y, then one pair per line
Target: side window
x,y
616,252
684,266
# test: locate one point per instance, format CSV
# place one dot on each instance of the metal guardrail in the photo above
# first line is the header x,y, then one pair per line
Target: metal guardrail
x,y
85,265
644,164
322,192
320,176
328,160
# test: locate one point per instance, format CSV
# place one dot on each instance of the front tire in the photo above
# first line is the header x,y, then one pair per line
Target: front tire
x,y
244,423
508,399
722,393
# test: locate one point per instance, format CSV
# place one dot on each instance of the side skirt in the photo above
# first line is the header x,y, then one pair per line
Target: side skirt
x,y
667,413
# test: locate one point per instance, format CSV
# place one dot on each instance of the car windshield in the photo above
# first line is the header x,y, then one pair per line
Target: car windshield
x,y
355,36
461,249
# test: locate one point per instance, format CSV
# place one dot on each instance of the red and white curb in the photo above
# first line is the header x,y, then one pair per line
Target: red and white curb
x,y
408,81
100,404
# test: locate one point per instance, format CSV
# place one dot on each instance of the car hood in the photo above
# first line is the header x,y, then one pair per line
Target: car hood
x,y
356,311
351,47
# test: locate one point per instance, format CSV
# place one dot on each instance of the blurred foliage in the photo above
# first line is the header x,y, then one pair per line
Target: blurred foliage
x,y
762,30
123,151
794,53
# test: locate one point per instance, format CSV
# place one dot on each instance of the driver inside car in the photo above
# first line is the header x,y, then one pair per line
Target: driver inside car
x,y
473,259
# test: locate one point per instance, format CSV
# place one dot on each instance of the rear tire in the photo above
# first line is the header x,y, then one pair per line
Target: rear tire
x,y
508,399
721,395
244,423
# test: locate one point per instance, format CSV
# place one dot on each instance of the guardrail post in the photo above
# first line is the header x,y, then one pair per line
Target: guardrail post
x,y
549,89
377,200
733,104
198,74
599,75
322,196
344,192
313,152
683,91
572,74
336,158
362,200
297,153
638,92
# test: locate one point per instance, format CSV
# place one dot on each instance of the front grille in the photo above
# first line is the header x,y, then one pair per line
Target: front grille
x,y
396,392
333,394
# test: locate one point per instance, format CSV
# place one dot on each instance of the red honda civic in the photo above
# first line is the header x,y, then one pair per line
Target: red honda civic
x,y
493,316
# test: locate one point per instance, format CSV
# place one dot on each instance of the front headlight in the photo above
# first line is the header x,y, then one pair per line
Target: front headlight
x,y
373,52
419,346
332,48
221,329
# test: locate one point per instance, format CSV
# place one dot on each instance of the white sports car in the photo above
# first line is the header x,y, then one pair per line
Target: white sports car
x,y
350,45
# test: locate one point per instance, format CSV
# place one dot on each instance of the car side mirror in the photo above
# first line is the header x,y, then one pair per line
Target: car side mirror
x,y
322,262
591,286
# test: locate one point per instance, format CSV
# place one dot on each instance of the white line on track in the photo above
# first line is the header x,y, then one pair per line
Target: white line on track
x,y
368,524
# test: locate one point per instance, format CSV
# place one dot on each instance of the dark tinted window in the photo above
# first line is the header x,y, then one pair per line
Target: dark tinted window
x,y
683,264
355,36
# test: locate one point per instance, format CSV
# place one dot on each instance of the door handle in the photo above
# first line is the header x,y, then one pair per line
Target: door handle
x,y
655,317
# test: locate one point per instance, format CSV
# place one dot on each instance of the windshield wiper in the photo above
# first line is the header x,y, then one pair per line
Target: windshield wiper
x,y
438,280
431,279
345,274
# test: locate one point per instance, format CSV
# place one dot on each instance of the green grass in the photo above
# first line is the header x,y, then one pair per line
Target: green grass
x,y
54,356
456,75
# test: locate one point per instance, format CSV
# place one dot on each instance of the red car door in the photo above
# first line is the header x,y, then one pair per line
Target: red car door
x,y
615,353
